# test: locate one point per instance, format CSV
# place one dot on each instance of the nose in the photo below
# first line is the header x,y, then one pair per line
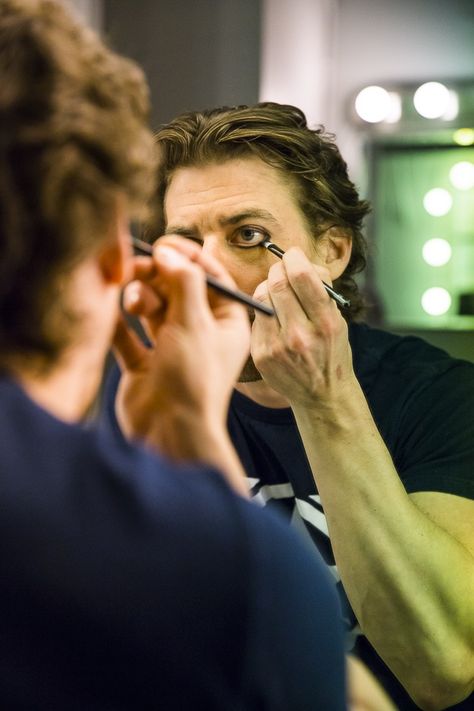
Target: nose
x,y
212,245
215,246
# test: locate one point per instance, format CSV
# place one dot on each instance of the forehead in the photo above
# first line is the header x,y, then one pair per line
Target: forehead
x,y
220,188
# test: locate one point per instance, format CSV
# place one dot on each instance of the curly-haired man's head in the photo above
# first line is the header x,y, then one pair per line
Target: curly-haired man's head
x,y
74,139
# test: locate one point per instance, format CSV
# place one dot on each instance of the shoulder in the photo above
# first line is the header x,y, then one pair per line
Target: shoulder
x,y
403,360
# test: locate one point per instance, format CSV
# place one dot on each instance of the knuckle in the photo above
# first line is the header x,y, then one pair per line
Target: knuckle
x,y
297,341
302,275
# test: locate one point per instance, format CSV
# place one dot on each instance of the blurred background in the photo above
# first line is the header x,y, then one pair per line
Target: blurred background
x,y
394,81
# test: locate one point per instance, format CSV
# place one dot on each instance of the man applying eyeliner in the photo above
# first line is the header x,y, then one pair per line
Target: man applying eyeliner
x,y
365,439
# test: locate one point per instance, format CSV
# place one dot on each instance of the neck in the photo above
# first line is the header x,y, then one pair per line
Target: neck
x,y
69,389
262,394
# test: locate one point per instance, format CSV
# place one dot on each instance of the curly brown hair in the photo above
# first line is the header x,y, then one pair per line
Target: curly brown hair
x,y
74,137
279,135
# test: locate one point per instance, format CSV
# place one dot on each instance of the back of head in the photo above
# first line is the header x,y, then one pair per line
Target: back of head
x,y
279,135
73,140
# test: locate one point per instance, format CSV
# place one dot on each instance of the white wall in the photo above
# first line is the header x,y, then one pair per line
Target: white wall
x,y
297,47
318,53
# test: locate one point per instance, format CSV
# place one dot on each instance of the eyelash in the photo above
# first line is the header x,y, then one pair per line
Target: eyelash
x,y
250,228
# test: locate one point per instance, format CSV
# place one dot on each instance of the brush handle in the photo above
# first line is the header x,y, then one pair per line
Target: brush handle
x,y
213,283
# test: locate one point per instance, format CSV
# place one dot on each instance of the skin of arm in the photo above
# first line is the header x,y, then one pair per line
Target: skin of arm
x,y
363,691
406,562
174,395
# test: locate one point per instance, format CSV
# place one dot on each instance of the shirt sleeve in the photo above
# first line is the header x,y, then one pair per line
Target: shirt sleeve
x,y
436,441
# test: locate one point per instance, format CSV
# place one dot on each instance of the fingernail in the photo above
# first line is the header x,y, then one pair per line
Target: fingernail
x,y
131,295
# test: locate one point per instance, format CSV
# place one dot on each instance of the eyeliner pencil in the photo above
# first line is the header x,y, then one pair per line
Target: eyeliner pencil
x,y
339,298
213,283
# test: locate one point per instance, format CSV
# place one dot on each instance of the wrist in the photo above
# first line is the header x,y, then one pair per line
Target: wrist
x,y
184,435
340,411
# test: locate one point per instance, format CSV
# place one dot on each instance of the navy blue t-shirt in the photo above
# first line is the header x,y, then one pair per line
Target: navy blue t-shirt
x,y
130,582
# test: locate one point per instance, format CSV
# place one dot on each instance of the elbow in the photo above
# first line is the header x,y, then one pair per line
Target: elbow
x,y
446,686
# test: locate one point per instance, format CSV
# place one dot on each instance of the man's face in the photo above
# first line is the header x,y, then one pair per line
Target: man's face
x,y
230,208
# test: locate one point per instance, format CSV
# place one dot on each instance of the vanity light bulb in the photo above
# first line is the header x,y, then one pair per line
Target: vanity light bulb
x,y
461,175
373,104
464,136
436,301
437,252
437,202
434,100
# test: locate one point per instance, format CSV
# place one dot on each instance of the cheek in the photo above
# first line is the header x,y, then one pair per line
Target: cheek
x,y
247,276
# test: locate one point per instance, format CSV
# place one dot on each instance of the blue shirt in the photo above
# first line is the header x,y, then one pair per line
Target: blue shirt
x,y
130,582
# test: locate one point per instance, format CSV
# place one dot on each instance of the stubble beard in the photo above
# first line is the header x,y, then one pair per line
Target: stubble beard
x,y
249,373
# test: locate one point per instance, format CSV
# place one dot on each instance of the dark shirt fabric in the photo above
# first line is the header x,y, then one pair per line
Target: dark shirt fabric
x,y
422,401
129,582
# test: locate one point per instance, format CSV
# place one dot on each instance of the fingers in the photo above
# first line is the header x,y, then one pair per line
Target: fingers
x,y
184,274
195,253
139,299
297,282
166,284
185,286
142,301
221,305
129,350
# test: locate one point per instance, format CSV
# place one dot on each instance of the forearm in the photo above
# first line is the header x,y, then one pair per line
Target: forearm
x,y
410,583
364,692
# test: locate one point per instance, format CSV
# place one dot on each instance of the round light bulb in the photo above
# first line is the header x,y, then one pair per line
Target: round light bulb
x,y
464,136
432,100
436,252
436,301
373,104
461,175
437,202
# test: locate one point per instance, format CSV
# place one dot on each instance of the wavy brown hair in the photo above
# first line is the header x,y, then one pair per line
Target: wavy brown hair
x,y
74,137
279,135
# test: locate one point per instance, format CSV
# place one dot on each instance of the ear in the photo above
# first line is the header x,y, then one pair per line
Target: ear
x,y
335,249
115,255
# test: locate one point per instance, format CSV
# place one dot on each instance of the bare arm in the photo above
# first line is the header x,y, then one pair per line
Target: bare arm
x,y
393,556
364,693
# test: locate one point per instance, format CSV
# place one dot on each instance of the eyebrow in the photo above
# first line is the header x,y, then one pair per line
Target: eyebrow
x,y
250,214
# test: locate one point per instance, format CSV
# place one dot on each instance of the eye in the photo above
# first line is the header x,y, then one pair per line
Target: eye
x,y
248,236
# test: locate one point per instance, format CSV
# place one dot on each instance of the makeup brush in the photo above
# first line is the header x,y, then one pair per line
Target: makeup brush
x,y
145,248
338,298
